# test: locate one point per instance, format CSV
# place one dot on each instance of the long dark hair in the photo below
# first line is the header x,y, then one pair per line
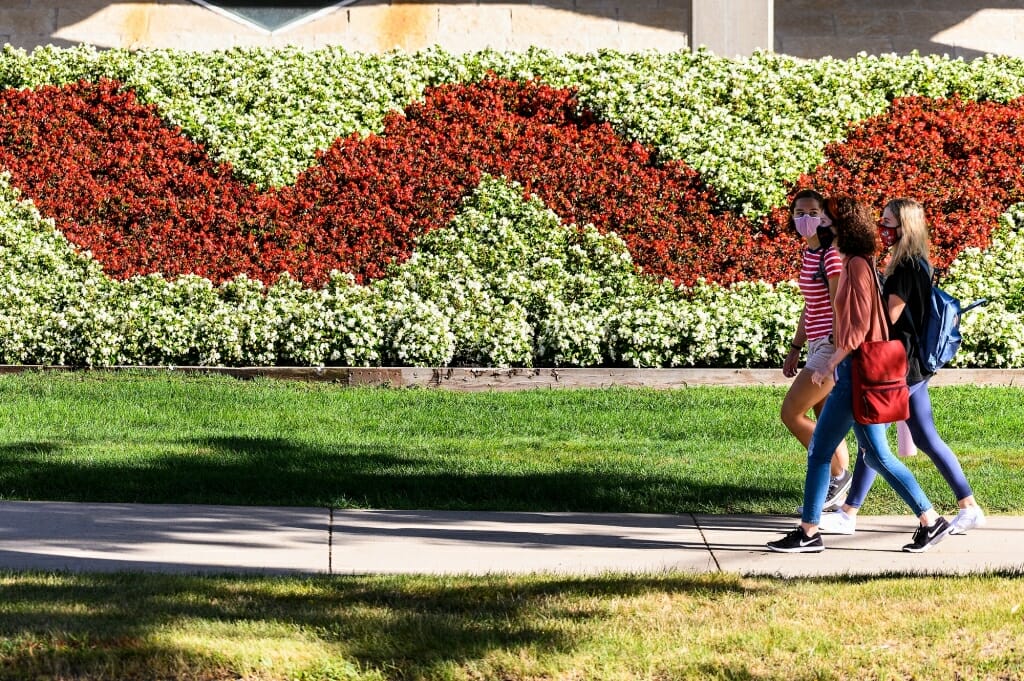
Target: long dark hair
x,y
856,231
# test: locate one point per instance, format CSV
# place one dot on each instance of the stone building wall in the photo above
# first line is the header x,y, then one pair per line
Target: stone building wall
x,y
365,25
959,28
802,28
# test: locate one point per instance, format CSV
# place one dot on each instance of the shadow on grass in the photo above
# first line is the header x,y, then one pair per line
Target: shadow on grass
x,y
410,626
28,448
269,471
121,625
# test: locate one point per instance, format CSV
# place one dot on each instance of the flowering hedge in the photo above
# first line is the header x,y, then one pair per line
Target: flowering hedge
x,y
372,277
961,159
749,127
507,283
142,198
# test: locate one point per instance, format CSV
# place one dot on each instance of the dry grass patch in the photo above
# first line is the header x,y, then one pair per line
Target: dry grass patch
x,y
613,627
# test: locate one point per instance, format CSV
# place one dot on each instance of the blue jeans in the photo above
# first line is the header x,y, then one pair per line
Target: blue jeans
x,y
833,424
922,428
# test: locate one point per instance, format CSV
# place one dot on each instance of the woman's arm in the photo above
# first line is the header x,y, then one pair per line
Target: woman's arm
x,y
818,377
789,365
800,337
853,311
833,286
857,306
895,305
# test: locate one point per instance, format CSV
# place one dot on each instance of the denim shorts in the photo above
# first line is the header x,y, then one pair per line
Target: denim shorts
x,y
819,353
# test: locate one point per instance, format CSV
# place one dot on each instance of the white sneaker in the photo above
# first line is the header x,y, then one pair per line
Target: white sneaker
x,y
837,523
967,519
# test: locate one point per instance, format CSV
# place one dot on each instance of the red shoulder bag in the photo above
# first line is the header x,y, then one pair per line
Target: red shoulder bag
x,y
879,376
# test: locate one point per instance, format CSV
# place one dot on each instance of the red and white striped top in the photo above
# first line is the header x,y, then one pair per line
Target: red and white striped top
x,y
817,307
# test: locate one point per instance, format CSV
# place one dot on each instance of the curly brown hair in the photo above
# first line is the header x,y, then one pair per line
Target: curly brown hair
x,y
856,231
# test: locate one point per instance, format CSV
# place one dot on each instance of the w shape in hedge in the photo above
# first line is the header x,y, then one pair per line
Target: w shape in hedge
x,y
142,198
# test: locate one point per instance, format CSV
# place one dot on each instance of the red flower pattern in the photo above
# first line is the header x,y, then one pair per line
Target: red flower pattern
x,y
143,198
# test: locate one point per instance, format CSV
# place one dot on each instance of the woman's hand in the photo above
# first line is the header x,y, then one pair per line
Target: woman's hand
x,y
789,366
829,372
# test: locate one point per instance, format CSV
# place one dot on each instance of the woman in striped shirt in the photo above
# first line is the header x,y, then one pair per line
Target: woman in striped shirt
x,y
819,278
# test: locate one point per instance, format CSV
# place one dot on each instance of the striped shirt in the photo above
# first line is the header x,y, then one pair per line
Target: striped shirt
x,y
817,307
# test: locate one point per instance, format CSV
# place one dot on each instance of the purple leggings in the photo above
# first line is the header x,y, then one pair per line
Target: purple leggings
x,y
922,429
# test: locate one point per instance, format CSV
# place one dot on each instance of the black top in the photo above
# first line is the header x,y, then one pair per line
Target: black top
x,y
912,283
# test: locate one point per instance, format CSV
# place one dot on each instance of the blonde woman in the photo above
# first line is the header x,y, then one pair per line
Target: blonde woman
x,y
820,266
907,293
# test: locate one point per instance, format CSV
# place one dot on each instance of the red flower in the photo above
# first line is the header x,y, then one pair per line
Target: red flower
x,y
144,198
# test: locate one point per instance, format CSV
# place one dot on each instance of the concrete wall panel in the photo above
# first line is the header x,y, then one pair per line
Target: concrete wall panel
x,y
802,28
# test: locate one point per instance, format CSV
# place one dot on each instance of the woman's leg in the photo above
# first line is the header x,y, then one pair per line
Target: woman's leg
x,y
803,396
922,428
878,455
933,527
833,424
863,478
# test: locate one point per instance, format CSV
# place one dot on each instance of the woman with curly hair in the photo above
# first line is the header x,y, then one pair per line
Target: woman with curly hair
x,y
908,277
859,318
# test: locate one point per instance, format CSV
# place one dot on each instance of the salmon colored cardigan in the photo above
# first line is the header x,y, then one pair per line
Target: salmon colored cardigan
x,y
858,306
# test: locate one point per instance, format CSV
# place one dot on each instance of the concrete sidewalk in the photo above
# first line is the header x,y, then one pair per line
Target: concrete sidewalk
x,y
219,539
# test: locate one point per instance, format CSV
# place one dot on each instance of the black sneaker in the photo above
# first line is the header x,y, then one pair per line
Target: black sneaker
x,y
927,537
837,490
797,542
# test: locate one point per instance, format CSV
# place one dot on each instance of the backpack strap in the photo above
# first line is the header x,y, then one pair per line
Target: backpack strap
x,y
822,273
934,273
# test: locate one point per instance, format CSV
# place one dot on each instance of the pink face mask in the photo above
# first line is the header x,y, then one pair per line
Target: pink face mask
x,y
887,235
807,225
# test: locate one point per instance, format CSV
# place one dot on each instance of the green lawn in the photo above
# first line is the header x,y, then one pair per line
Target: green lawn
x,y
667,627
167,437
164,437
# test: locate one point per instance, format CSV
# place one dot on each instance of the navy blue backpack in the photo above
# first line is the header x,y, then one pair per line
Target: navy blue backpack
x,y
940,338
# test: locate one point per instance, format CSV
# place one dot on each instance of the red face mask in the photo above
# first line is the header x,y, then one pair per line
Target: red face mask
x,y
887,235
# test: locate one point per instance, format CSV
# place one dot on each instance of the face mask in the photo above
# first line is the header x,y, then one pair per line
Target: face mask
x,y
807,225
887,235
825,236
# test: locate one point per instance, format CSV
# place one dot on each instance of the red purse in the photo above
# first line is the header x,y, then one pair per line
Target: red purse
x,y
879,378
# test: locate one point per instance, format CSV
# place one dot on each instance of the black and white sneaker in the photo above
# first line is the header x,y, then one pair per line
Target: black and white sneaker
x,y
926,537
797,542
838,488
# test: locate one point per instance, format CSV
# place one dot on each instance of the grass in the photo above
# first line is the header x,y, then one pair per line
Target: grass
x,y
609,627
172,438
196,439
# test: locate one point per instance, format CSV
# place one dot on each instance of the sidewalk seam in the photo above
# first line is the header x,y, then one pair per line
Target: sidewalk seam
x,y
707,545
330,541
